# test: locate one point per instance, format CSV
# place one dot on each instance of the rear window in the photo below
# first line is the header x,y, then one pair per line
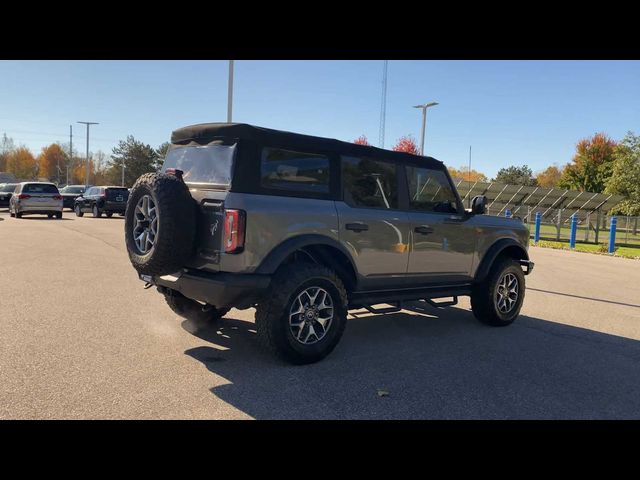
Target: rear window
x,y
72,190
10,187
39,188
294,171
115,192
211,164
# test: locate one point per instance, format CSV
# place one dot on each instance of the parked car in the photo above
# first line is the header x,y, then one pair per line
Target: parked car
x,y
304,228
6,191
36,198
70,193
99,200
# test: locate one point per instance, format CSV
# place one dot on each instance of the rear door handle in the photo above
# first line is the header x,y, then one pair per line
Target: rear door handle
x,y
357,227
424,229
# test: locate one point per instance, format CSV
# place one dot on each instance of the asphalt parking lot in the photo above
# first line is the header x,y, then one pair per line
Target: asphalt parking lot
x,y
81,338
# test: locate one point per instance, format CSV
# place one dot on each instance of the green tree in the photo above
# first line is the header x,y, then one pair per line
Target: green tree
x,y
162,153
591,165
138,158
516,175
625,176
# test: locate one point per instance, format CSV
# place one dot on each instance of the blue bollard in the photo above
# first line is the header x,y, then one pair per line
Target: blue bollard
x,y
574,228
536,235
612,234
507,213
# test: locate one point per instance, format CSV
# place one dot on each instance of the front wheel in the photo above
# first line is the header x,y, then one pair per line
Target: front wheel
x,y
497,300
303,316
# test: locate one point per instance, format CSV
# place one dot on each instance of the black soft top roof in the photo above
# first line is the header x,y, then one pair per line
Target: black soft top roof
x,y
205,133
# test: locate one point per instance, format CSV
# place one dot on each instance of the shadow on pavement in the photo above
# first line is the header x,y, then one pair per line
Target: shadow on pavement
x,y
584,298
440,366
41,218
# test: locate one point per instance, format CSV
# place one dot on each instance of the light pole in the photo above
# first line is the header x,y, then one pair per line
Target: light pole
x,y
86,183
424,121
230,92
123,172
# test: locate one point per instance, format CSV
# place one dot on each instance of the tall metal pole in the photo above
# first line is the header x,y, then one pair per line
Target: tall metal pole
x,y
123,172
424,126
70,151
469,177
88,124
230,93
383,106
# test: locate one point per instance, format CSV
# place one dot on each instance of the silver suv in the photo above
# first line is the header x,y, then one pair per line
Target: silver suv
x,y
305,228
36,197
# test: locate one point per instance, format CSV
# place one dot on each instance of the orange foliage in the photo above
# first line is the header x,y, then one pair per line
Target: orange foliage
x,y
407,144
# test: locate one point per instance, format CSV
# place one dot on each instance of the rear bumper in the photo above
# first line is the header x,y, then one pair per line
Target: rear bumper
x,y
222,290
39,208
117,207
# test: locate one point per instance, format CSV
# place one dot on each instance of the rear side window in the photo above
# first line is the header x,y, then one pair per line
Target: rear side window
x,y
370,183
39,188
211,164
294,171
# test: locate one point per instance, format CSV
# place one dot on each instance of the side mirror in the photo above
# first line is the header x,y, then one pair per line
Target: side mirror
x,y
479,205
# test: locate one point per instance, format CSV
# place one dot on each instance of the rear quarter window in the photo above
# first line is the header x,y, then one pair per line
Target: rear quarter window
x,y
294,171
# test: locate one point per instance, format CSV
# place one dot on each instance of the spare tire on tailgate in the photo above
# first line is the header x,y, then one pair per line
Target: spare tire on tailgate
x,y
160,224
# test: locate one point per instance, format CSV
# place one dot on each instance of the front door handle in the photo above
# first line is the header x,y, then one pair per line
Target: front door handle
x,y
357,227
424,229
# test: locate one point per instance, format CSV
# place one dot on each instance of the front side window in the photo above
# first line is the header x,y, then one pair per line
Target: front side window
x,y
210,164
294,171
370,183
430,191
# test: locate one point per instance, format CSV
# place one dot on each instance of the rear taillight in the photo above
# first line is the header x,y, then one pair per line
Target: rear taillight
x,y
57,197
23,196
234,223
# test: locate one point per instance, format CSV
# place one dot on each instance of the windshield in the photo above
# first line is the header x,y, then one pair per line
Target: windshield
x,y
202,164
72,190
9,187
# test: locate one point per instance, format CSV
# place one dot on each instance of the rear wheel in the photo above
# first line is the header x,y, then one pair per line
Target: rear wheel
x,y
497,300
10,212
58,215
18,214
304,314
109,214
96,212
79,212
192,310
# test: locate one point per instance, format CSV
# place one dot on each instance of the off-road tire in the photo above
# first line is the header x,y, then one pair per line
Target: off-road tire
x,y
483,294
192,310
176,210
79,213
272,314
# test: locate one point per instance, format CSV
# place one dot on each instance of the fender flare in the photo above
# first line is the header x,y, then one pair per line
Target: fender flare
x,y
493,252
278,254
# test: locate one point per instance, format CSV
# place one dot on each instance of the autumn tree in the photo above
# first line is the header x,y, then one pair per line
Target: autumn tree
x,y
549,177
591,166
50,159
6,147
625,176
361,140
516,175
463,174
406,144
22,164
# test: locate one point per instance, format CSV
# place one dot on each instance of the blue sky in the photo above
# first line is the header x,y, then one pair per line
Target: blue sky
x,y
511,112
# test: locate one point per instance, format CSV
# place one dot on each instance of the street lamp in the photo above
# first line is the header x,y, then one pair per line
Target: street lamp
x,y
230,93
424,121
87,124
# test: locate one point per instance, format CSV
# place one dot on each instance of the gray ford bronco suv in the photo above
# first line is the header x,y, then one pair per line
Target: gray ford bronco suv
x,y
305,228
